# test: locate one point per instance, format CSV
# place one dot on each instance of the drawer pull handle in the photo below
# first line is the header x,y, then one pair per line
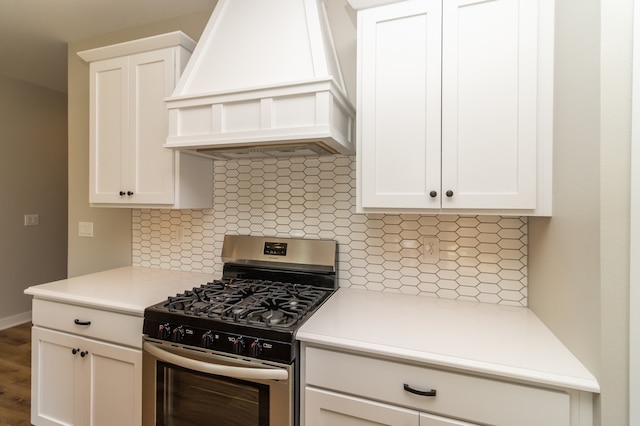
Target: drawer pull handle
x,y
408,388
78,322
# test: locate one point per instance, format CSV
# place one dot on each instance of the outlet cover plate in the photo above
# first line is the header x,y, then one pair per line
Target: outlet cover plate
x,y
430,249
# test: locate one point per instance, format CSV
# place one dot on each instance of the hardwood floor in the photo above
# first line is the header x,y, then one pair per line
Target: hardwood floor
x,y
15,375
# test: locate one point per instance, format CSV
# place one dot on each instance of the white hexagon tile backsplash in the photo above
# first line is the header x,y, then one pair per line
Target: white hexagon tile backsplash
x,y
481,258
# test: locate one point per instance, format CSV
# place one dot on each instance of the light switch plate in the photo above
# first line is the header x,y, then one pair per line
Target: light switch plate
x,y
85,229
31,219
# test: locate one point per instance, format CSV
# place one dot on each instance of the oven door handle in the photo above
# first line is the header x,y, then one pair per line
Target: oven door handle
x,y
210,368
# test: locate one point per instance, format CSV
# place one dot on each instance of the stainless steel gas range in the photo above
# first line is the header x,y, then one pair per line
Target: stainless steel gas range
x,y
225,353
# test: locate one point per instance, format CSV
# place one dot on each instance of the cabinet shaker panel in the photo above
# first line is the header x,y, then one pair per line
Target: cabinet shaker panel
x,y
489,85
108,155
399,68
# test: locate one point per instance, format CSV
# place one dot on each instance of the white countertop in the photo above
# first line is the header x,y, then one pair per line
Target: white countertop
x,y
499,340
505,341
129,289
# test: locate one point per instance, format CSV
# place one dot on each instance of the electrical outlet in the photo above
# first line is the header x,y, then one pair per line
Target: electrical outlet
x,y
177,234
430,249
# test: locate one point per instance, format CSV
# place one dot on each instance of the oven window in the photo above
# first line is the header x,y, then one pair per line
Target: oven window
x,y
189,398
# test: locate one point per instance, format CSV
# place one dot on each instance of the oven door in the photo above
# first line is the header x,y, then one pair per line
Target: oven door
x,y
191,387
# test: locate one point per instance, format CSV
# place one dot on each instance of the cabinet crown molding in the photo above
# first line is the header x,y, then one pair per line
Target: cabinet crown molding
x,y
161,41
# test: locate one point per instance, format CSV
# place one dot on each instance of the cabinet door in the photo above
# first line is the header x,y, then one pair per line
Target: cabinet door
x,y
109,124
399,48
325,408
56,378
430,420
103,387
151,175
115,387
489,103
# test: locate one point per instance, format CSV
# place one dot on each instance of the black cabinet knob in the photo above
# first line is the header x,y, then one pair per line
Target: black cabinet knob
x,y
84,353
129,193
433,194
122,193
449,193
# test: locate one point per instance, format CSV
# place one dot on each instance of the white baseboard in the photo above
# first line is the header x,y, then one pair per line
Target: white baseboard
x,y
14,320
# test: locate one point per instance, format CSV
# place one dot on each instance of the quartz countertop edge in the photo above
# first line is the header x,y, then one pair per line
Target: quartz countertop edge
x,y
128,290
500,341
439,360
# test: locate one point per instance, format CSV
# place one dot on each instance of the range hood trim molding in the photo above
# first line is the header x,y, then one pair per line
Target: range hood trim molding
x,y
274,90
276,137
228,119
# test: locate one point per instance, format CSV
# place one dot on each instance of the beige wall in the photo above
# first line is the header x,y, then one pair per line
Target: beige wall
x,y
111,245
579,259
33,180
615,148
564,250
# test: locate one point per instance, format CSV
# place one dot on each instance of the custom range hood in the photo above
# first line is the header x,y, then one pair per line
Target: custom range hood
x,y
263,81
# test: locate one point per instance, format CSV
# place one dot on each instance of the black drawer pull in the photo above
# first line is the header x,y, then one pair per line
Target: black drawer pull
x,y
431,392
78,322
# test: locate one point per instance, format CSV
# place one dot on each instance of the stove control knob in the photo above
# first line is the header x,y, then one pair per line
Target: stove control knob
x,y
164,331
207,339
238,345
177,335
255,349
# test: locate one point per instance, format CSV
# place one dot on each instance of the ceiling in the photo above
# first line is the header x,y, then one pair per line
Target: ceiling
x,y
34,33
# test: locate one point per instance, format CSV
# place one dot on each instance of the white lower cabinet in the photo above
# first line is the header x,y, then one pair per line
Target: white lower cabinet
x,y
345,389
325,408
78,379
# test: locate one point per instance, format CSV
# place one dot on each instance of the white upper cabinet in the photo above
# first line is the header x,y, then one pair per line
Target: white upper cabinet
x,y
399,88
129,166
455,106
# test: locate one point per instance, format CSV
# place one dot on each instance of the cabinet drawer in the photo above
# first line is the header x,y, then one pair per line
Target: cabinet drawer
x,y
469,398
109,326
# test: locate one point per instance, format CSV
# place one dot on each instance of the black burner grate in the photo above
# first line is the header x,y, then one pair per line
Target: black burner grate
x,y
249,301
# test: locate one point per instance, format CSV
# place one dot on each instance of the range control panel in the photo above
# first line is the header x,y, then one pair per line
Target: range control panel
x,y
275,249
230,343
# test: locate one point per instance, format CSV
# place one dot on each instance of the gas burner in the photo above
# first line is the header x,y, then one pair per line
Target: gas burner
x,y
258,302
272,317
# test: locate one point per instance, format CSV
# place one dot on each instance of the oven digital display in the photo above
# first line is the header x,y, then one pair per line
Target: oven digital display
x,y
275,249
